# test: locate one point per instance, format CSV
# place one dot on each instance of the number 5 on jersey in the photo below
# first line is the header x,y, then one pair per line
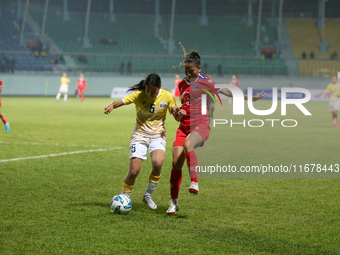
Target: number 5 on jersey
x,y
133,148
152,108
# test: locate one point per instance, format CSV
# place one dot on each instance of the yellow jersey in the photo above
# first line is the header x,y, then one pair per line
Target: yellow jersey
x,y
150,112
64,82
334,90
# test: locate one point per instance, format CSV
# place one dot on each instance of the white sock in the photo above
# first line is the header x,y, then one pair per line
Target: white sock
x,y
58,96
151,187
65,98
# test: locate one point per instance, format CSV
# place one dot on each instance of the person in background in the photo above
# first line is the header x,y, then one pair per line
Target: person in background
x,y
64,82
129,68
2,117
176,93
234,82
81,87
333,90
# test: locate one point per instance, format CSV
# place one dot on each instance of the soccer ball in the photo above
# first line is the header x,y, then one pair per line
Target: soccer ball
x,y
121,204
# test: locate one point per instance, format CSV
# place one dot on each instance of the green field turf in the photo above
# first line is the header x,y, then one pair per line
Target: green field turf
x,y
61,204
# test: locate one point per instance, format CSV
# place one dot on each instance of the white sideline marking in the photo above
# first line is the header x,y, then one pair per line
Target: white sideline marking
x,y
60,154
56,144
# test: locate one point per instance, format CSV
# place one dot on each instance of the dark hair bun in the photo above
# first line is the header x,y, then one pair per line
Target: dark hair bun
x,y
194,54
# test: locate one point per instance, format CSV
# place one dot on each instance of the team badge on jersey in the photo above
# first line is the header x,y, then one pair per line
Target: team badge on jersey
x,y
162,105
194,87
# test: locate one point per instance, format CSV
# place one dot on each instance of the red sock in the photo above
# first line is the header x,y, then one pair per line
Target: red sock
x,y
175,182
81,98
192,165
3,119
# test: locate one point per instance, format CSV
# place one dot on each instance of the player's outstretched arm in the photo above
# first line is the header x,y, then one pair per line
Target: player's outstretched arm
x,y
113,105
228,93
178,113
257,97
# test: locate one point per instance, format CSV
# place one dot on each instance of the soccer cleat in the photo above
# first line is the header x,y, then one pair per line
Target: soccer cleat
x,y
193,189
173,208
148,200
336,125
7,127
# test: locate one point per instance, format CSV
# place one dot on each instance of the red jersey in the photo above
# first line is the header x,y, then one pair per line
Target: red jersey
x,y
81,84
0,91
177,93
192,101
235,83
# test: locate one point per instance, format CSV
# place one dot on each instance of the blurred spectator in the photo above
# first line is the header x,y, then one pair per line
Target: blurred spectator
x,y
108,41
40,46
43,54
48,46
205,68
54,61
311,55
219,69
304,55
82,58
4,63
12,64
334,55
122,66
7,67
129,68
61,58
36,54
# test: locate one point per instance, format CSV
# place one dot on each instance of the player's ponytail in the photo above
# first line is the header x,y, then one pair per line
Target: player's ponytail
x,y
193,56
151,79
139,86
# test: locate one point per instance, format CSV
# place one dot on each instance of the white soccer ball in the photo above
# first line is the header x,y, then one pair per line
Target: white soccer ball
x,y
121,204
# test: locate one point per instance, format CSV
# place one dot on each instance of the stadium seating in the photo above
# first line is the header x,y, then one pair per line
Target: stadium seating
x,y
135,34
305,37
9,41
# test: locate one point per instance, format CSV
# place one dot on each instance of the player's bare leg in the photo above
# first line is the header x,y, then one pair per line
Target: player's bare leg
x,y
3,119
157,157
129,181
193,141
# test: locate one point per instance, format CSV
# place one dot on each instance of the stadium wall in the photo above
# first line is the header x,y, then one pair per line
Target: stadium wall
x,y
101,85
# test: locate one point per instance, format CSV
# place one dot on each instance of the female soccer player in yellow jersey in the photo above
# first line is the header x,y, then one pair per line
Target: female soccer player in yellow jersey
x,y
333,90
152,104
64,82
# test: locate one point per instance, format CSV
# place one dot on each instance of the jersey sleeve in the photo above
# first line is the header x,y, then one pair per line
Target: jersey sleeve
x,y
329,88
129,99
172,102
211,85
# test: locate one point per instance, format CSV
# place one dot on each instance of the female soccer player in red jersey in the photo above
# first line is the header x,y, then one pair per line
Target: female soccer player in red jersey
x,y
194,125
2,117
81,87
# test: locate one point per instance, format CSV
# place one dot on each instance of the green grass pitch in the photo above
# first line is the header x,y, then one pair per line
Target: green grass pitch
x,y
61,204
